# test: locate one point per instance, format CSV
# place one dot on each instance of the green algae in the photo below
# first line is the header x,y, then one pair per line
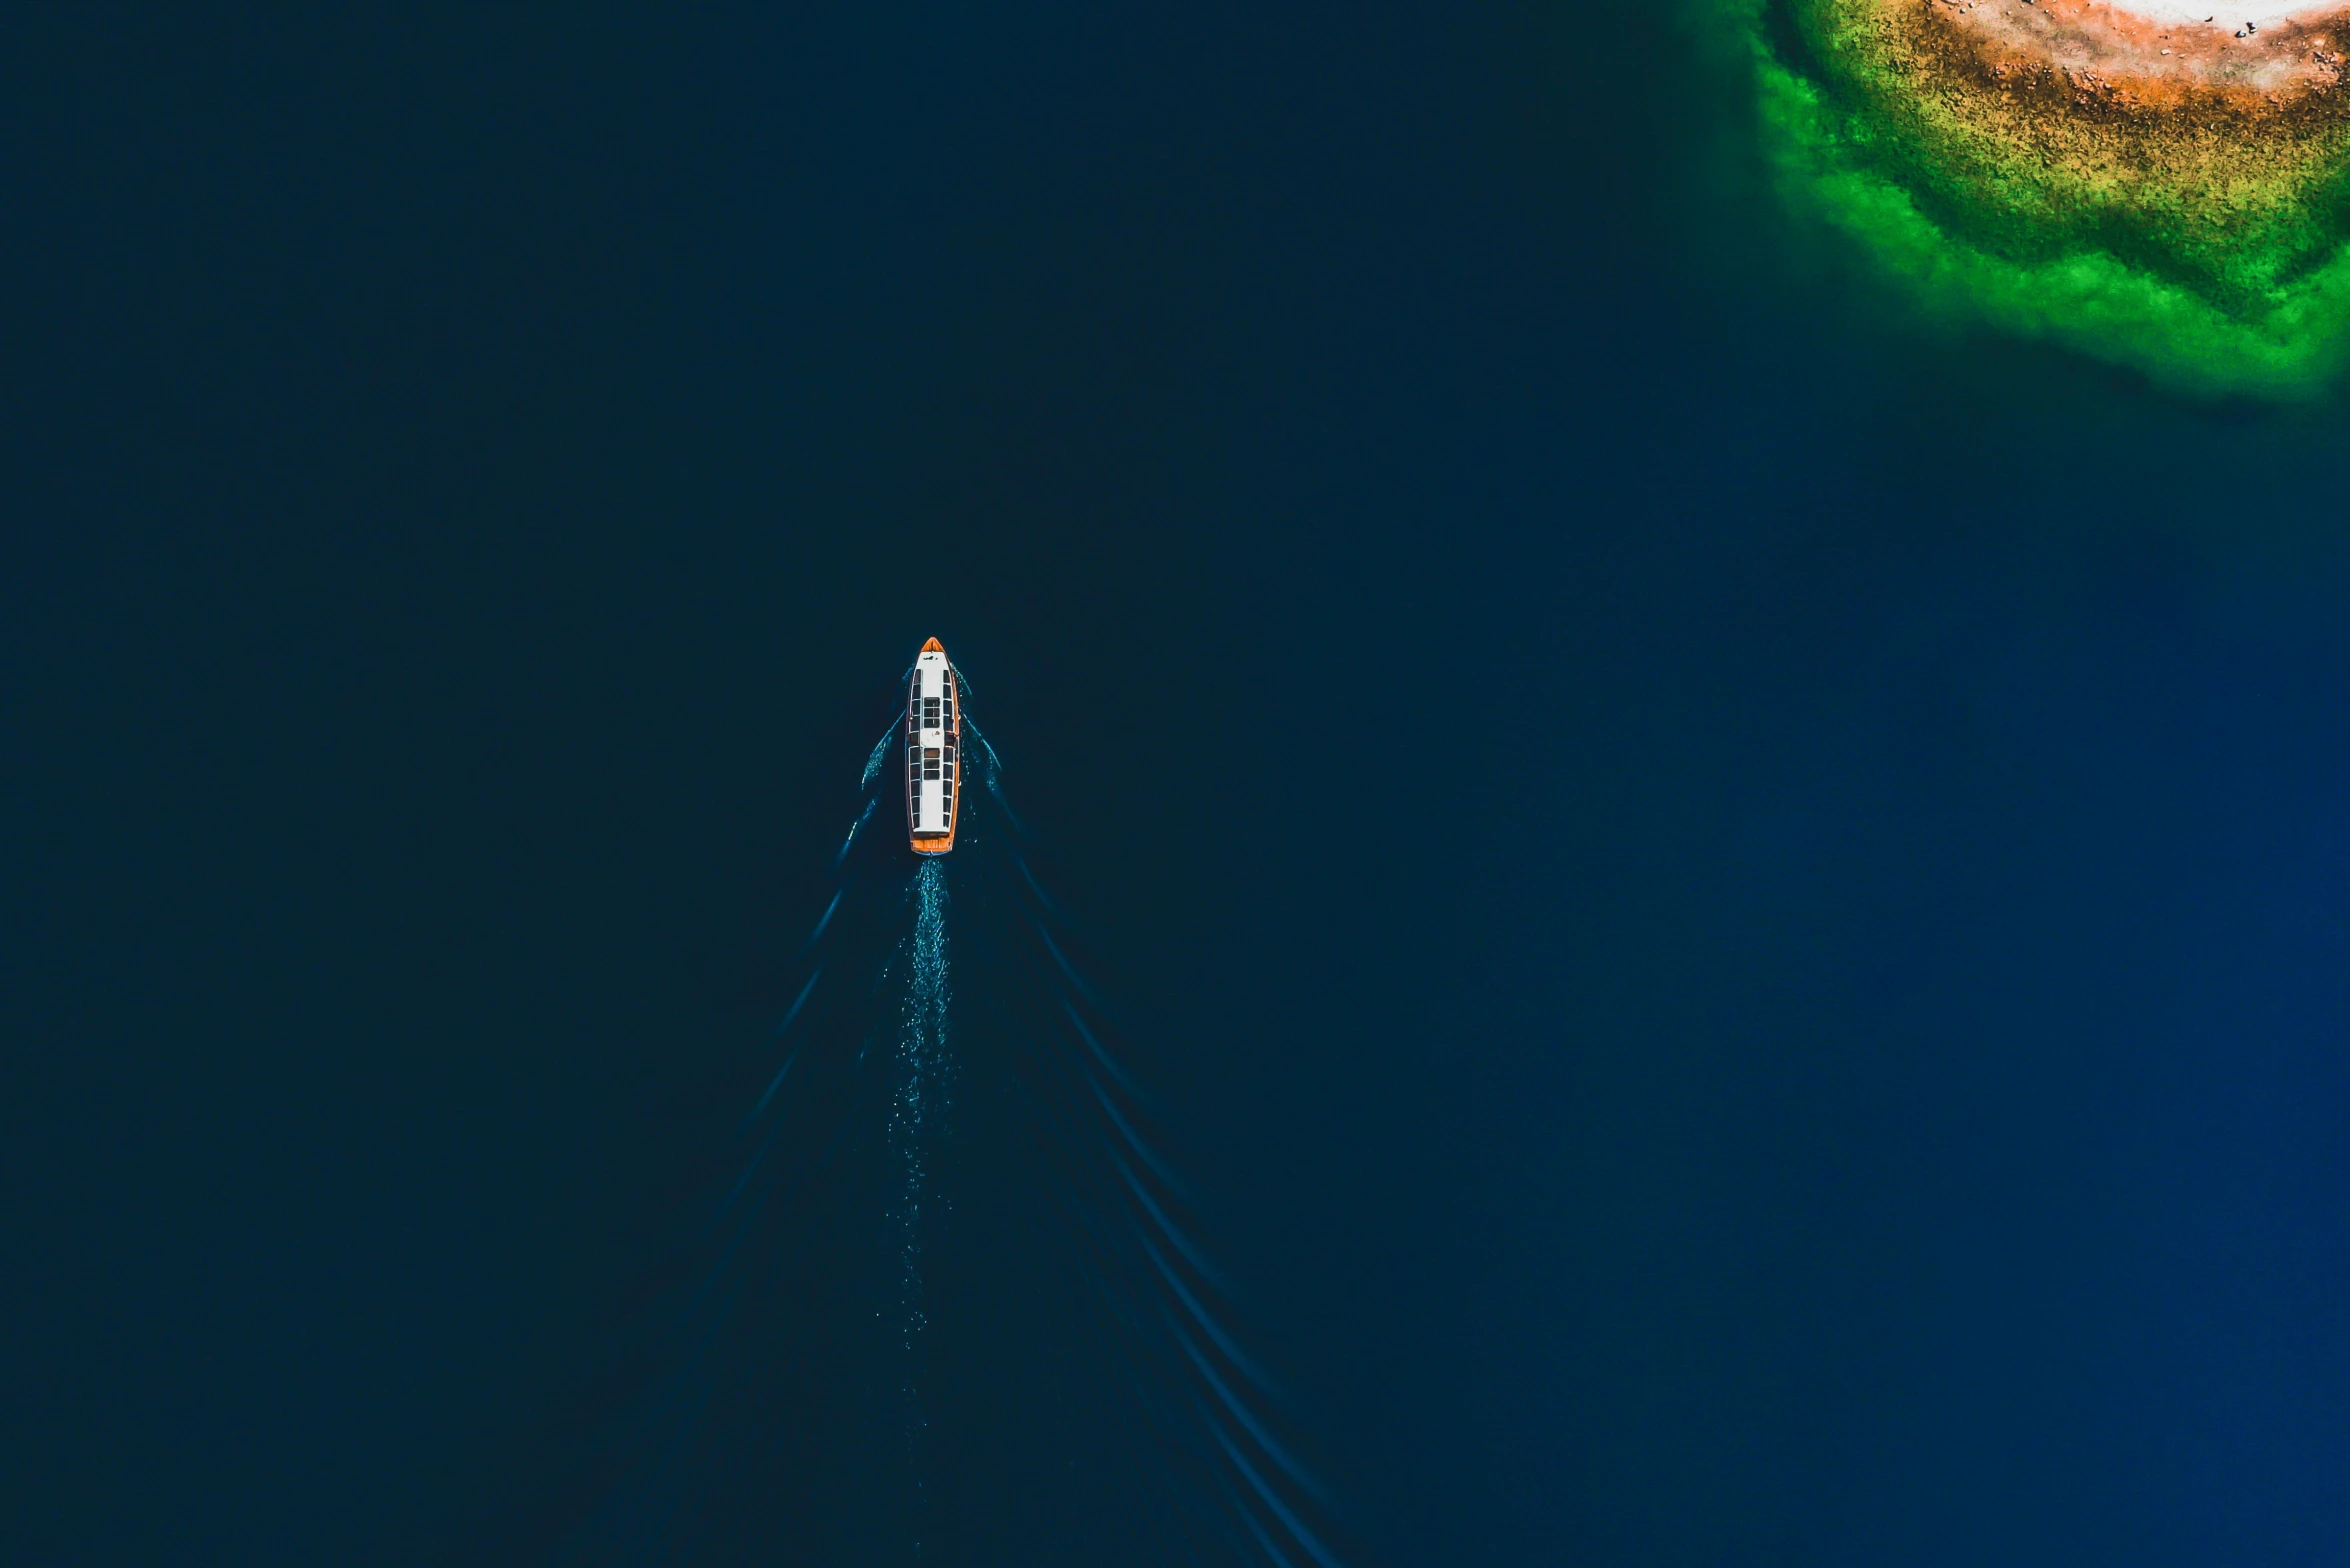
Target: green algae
x,y
2205,277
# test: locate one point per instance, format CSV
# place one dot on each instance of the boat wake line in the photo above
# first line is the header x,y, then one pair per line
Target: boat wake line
x,y
764,1431
921,1084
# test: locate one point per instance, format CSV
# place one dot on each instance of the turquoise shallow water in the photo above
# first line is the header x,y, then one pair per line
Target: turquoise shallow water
x,y
1728,897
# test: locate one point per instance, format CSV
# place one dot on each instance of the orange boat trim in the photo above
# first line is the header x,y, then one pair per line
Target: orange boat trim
x,y
930,841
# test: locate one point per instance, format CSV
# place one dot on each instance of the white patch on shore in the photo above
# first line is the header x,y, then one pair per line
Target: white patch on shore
x,y
2260,13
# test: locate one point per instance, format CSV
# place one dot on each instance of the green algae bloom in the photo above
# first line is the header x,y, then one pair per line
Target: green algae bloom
x,y
2194,229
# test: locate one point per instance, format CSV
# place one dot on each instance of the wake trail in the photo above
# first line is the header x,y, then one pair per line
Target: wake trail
x,y
915,1106
995,779
814,935
921,1064
1083,989
1168,1437
1257,1474
1296,1526
1232,1402
862,818
1185,1306
1181,1446
1142,1150
780,1030
880,750
1205,1319
688,1390
1036,887
1228,1404
1172,1231
872,1066
1109,1065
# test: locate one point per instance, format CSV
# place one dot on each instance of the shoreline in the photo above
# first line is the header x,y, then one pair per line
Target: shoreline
x,y
2060,123
2048,168
2147,57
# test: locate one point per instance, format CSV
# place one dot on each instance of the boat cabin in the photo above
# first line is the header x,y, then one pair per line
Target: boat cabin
x,y
933,746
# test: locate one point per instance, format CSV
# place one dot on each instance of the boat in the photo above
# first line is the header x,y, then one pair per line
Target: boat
x,y
934,733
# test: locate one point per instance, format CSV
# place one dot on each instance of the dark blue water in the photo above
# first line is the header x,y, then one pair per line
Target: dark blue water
x,y
1732,911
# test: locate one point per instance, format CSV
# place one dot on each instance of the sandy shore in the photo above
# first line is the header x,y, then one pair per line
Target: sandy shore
x,y
2154,44
2262,13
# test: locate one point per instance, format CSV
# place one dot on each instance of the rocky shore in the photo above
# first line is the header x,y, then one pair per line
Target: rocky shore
x,y
2151,60
2040,124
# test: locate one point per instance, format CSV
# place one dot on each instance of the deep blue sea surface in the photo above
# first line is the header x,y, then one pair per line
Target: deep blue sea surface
x,y
1730,912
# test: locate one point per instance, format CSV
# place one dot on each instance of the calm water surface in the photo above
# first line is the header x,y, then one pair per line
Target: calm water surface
x,y
1732,911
